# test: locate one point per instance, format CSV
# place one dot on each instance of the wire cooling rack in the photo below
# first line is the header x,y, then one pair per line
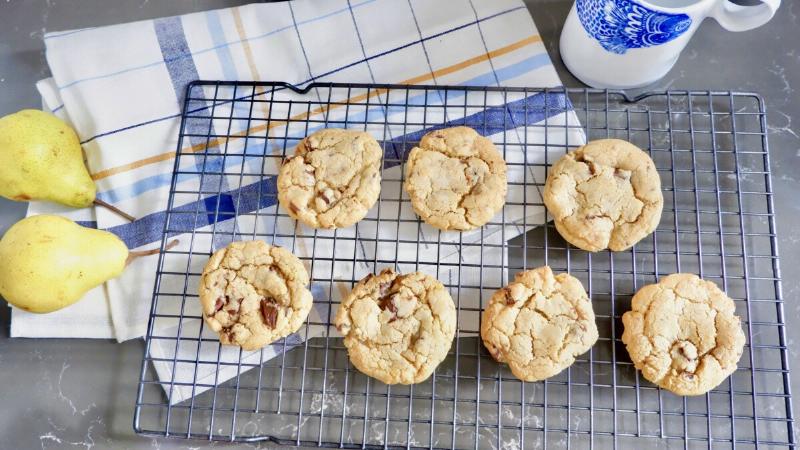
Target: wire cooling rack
x,y
710,149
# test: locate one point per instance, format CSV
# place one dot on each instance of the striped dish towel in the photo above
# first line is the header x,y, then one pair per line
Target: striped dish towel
x,y
122,88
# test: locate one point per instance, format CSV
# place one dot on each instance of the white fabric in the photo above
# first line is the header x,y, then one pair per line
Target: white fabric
x,y
122,87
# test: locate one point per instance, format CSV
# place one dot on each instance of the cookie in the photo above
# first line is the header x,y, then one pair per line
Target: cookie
x,y
606,194
539,323
683,334
397,328
253,293
333,178
456,179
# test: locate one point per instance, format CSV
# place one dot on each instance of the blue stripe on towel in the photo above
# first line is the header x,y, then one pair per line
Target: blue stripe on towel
x,y
493,120
317,77
198,52
182,71
373,114
226,61
217,34
262,194
172,41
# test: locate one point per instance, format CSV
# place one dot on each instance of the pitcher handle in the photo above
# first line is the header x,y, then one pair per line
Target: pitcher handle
x,y
735,17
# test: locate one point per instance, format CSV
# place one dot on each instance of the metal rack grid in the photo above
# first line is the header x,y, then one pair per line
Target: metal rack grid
x,y
711,152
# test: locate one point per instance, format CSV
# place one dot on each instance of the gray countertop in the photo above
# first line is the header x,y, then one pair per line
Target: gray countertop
x,y
80,393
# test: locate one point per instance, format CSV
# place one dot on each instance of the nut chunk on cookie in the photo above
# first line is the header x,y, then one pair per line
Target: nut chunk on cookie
x,y
456,179
253,293
397,328
606,194
333,179
683,334
539,323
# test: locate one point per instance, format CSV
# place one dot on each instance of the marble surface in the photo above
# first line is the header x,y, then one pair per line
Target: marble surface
x,y
80,393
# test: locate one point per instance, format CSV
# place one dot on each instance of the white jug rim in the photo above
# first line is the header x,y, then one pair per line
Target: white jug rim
x,y
687,6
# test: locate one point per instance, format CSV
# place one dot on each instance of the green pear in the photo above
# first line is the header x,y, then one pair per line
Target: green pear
x,y
49,262
41,159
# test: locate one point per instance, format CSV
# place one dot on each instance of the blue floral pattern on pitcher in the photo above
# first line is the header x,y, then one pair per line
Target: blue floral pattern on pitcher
x,y
619,25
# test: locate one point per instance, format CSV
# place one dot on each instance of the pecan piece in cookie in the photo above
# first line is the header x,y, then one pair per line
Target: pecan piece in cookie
x,y
220,303
386,303
269,311
333,179
509,298
253,293
397,328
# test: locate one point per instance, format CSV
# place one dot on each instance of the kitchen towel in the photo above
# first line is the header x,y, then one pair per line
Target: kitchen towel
x,y
122,88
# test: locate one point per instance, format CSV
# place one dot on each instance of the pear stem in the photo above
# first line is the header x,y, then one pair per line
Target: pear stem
x,y
134,255
113,208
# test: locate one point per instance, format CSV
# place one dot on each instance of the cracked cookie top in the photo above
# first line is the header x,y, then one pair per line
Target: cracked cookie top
x,y
333,179
606,194
683,334
397,328
253,293
456,179
539,323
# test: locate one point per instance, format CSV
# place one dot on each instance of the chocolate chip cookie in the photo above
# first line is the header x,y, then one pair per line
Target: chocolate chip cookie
x,y
456,179
397,328
606,194
539,323
333,178
683,334
253,293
